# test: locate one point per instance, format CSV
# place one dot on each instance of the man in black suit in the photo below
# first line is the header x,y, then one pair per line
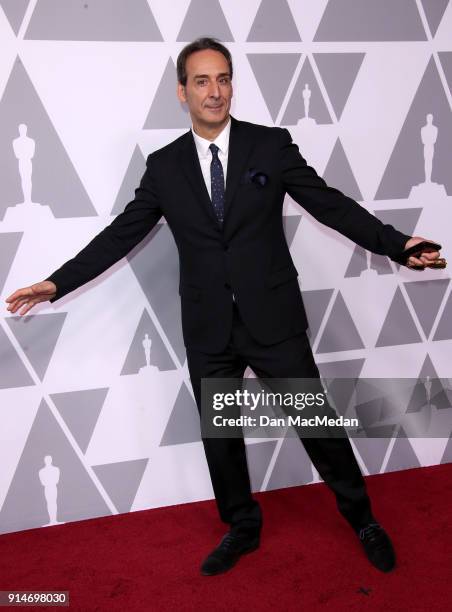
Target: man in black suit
x,y
221,188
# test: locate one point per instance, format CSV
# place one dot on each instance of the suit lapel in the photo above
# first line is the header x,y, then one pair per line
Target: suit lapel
x,y
240,146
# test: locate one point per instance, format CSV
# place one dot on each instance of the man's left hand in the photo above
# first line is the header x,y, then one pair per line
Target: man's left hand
x,y
425,258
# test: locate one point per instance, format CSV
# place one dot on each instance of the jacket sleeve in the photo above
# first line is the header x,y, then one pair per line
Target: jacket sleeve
x,y
114,241
331,207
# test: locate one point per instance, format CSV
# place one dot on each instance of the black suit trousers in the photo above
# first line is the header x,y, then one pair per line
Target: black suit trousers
x,y
226,457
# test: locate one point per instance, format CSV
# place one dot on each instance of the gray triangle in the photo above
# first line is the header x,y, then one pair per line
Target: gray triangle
x,y
65,193
13,373
259,455
372,451
9,243
348,368
406,164
340,333
80,411
293,466
158,354
93,20
155,263
404,219
204,19
316,303
339,173
340,378
132,178
291,223
447,455
274,22
402,456
426,298
434,11
273,73
37,336
77,497
398,326
373,414
418,398
122,481
428,369
14,11
295,107
367,20
166,111
445,58
381,399
339,72
183,425
357,264
444,329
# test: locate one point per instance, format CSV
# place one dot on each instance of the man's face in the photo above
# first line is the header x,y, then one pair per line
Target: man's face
x,y
208,91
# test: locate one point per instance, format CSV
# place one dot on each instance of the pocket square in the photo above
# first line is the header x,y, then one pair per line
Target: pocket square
x,y
255,176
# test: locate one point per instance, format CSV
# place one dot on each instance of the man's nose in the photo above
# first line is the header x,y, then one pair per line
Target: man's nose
x,y
214,90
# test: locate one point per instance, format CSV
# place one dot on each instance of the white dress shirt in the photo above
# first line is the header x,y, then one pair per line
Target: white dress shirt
x,y
205,154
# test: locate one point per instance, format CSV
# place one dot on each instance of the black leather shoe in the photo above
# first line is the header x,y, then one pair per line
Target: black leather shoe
x,y
228,552
377,546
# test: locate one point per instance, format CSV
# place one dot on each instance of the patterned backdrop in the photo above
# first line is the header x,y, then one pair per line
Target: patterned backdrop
x,y
97,414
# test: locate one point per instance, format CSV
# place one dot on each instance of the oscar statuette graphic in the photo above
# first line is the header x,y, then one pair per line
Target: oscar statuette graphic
x,y
49,477
24,149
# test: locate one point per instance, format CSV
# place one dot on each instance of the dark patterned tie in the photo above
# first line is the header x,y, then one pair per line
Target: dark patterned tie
x,y
217,183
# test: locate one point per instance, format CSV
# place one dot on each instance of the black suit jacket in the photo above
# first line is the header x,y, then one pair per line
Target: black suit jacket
x,y
249,256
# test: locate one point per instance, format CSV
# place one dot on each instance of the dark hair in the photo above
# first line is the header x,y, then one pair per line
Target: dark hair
x,y
198,45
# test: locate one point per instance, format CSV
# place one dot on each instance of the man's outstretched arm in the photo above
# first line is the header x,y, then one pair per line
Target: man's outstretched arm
x,y
338,211
106,248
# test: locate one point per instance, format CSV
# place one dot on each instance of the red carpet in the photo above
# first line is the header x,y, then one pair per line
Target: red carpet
x,y
309,557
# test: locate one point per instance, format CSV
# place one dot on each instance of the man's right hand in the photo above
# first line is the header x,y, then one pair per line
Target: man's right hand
x,y
29,296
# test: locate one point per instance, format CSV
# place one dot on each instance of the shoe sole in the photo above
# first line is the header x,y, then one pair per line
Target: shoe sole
x,y
244,552
386,570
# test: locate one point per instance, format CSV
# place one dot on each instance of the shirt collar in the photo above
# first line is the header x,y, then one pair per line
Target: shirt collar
x,y
222,141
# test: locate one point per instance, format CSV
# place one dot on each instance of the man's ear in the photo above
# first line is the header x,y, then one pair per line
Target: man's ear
x,y
181,92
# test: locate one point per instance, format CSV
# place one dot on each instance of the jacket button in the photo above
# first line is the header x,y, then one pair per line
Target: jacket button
x,y
227,286
225,247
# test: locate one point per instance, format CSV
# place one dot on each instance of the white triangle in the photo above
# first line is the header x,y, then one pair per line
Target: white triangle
x,y
444,29
307,15
375,297
169,21
10,47
369,131
103,95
